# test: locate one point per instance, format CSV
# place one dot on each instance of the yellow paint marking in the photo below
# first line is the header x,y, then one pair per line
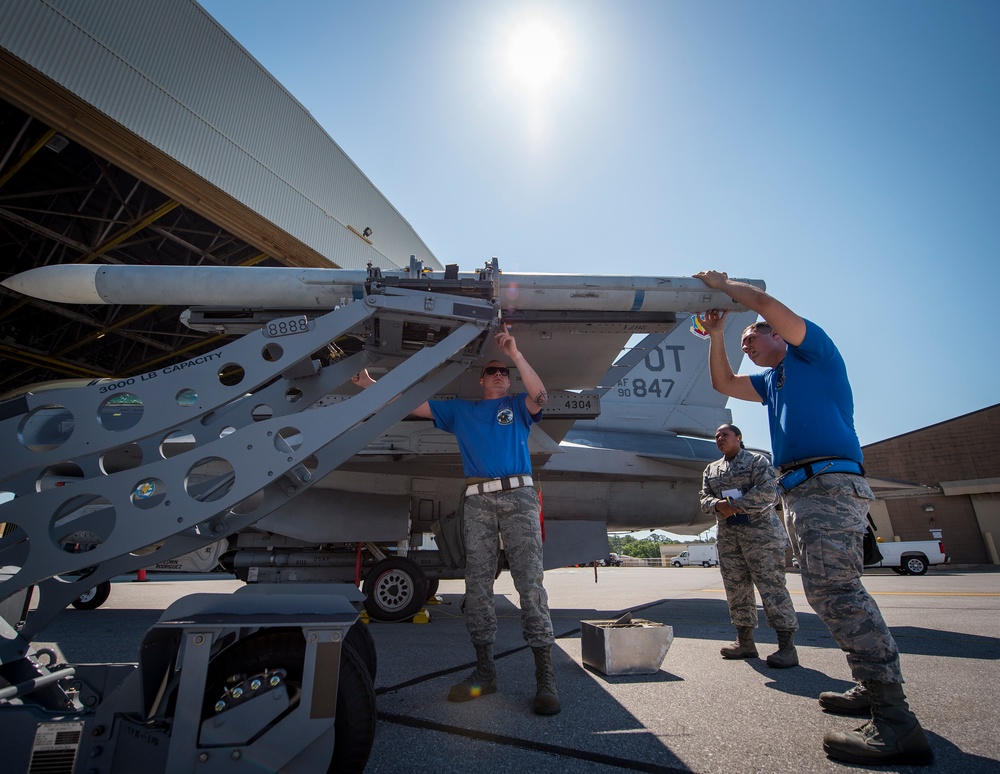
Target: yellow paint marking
x,y
898,593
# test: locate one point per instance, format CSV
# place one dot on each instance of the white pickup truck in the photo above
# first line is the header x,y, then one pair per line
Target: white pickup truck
x,y
911,557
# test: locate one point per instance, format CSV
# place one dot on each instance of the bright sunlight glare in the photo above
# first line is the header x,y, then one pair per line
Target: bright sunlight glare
x,y
536,54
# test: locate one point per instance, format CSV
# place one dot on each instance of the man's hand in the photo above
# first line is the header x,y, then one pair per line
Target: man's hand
x,y
537,397
716,280
714,321
362,379
506,343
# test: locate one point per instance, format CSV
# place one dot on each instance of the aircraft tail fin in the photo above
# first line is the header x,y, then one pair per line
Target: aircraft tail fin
x,y
662,383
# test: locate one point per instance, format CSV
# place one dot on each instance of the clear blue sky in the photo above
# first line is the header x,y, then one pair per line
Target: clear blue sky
x,y
847,153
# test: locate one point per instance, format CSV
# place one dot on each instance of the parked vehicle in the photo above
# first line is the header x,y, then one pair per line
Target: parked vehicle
x,y
911,557
613,560
707,555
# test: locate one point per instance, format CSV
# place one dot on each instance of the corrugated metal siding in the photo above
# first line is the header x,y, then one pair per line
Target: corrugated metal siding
x,y
169,73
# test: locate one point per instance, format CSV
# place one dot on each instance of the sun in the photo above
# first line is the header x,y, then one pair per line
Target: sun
x,y
536,54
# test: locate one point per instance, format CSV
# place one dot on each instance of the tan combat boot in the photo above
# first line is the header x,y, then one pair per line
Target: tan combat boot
x,y
893,735
855,701
744,647
483,679
786,656
546,695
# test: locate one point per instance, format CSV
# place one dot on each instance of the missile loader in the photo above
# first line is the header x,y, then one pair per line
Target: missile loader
x,y
282,675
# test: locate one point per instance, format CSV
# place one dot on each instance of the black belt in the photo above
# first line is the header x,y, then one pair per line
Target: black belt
x,y
795,474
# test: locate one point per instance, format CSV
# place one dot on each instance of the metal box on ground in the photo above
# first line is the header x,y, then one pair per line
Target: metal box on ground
x,y
625,646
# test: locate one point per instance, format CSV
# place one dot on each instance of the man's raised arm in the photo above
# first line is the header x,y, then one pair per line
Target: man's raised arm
x,y
724,380
537,396
782,320
363,380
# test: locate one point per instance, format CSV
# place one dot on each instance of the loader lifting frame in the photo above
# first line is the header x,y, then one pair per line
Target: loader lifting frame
x,y
269,675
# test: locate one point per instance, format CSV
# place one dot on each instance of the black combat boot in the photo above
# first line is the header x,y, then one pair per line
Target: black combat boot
x,y
893,735
855,701
483,679
786,656
546,694
744,647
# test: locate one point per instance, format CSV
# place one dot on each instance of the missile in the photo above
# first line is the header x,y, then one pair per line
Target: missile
x,y
323,289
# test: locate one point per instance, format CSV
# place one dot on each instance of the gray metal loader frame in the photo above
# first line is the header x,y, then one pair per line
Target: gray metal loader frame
x,y
157,465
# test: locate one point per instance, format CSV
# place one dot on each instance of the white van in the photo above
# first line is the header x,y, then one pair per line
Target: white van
x,y
707,555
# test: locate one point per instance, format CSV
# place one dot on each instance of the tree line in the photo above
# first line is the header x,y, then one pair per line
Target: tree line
x,y
644,548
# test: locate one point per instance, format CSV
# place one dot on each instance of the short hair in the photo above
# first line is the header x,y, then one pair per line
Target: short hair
x,y
735,429
761,326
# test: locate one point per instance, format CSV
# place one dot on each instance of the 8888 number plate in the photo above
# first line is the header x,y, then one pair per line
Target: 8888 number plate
x,y
286,326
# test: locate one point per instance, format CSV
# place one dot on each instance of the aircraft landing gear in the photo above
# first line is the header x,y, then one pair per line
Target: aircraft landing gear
x,y
93,599
395,589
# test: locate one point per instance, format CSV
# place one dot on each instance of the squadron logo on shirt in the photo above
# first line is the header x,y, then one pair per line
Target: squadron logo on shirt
x,y
505,416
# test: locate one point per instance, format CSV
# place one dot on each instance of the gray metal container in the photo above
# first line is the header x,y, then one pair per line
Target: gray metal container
x,y
625,646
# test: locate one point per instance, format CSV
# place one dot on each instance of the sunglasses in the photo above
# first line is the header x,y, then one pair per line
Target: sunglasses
x,y
493,370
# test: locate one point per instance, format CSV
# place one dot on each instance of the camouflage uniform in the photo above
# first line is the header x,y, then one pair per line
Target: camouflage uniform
x,y
514,516
828,513
750,554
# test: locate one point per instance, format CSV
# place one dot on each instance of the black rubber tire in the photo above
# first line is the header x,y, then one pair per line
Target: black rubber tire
x,y
354,725
360,640
356,714
93,599
395,589
432,587
915,565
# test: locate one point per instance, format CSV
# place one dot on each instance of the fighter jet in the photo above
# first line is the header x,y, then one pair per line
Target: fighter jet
x,y
637,465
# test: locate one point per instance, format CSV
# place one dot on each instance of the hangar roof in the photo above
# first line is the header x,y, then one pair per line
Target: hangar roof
x,y
130,139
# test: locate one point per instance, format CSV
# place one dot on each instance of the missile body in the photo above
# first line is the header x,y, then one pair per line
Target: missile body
x,y
321,289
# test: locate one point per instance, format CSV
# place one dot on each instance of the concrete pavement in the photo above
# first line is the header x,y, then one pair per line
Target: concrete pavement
x,y
698,713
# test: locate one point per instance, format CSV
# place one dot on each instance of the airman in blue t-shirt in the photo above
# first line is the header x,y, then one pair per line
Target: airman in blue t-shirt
x,y
500,500
825,499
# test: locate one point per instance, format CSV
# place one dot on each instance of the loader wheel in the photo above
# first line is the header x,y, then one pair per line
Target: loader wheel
x,y
93,599
395,589
354,724
360,639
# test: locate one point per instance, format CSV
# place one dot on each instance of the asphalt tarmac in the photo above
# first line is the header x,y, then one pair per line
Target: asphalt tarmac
x,y
697,713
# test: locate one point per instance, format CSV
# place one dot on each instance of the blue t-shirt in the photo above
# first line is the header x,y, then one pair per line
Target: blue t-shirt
x,y
492,434
810,406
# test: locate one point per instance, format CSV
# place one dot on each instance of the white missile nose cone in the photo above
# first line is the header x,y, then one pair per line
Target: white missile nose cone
x,y
67,284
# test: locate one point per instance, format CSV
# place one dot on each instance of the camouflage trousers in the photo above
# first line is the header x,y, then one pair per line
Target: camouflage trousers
x,y
754,555
827,515
514,515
